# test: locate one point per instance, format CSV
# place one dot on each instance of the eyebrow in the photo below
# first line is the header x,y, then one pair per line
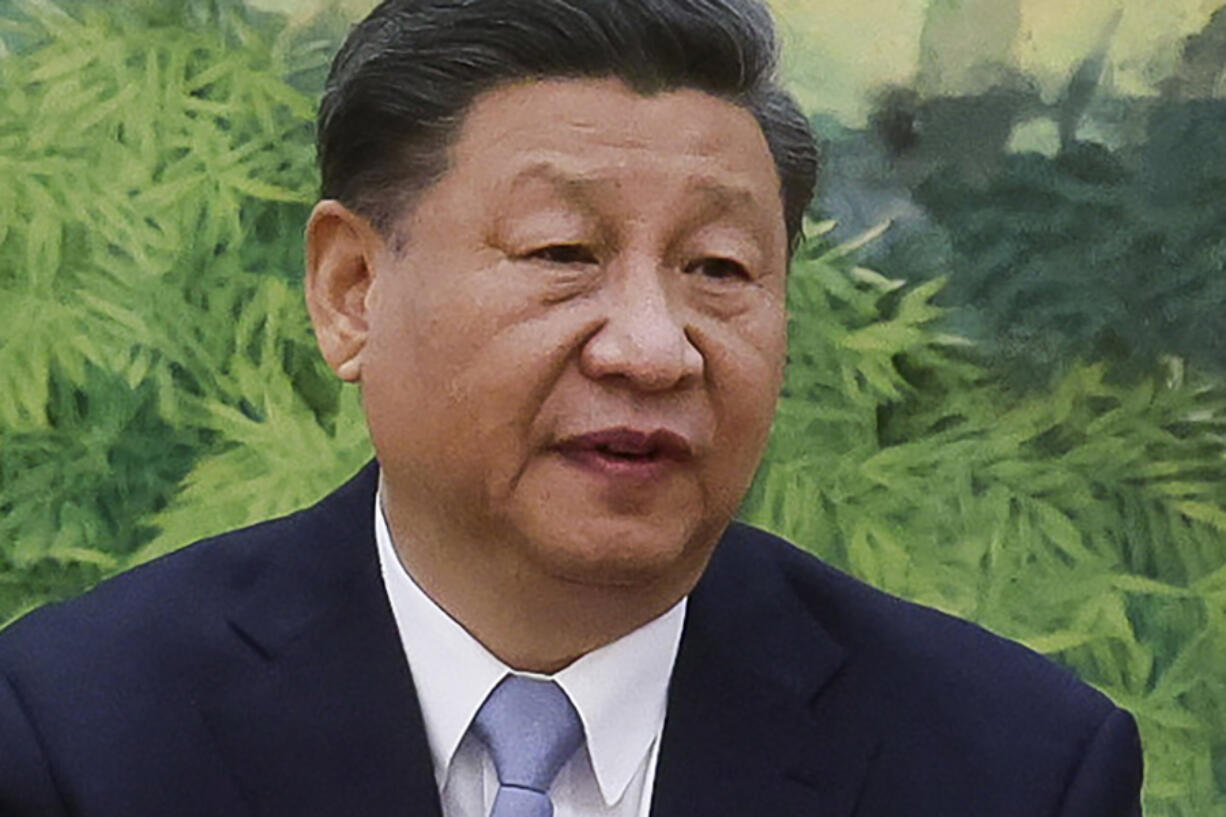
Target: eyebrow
x,y
720,196
724,197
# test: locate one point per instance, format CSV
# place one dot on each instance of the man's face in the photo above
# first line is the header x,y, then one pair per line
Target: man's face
x,y
574,352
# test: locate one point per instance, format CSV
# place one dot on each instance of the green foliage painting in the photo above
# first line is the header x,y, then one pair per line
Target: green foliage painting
x,y
1006,395
157,371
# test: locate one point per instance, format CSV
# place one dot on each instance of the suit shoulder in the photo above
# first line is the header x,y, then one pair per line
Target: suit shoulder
x,y
175,599
925,660
166,598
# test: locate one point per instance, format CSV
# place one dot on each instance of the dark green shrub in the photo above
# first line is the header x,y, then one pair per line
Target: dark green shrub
x,y
1086,520
156,168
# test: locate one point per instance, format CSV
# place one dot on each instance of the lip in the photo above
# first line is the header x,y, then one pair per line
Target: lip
x,y
627,453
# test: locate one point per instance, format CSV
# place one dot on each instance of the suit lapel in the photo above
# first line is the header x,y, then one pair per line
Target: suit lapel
x,y
320,716
757,722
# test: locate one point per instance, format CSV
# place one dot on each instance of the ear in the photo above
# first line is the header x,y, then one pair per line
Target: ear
x,y
341,248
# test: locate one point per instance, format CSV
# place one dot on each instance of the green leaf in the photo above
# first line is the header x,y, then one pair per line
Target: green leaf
x,y
1204,512
1146,586
1056,642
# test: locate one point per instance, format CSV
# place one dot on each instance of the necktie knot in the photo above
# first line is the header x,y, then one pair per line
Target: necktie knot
x,y
531,729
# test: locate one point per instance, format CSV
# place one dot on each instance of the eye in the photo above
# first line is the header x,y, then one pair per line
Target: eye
x,y
564,254
719,269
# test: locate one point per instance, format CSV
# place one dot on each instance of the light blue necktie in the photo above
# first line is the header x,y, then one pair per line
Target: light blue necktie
x,y
531,729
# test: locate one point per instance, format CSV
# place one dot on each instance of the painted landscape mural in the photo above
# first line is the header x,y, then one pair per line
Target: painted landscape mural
x,y
1006,393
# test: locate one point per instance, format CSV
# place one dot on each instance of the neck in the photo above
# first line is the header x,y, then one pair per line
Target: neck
x,y
529,617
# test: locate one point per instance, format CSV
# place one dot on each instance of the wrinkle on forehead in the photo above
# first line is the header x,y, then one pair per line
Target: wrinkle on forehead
x,y
634,130
690,139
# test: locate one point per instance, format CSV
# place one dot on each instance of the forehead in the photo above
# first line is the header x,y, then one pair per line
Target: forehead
x,y
587,137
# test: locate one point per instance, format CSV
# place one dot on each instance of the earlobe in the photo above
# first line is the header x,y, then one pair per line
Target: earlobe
x,y
340,258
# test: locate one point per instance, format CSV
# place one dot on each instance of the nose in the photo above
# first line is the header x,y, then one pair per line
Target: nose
x,y
642,340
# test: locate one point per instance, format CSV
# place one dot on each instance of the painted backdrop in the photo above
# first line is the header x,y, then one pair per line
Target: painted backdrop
x,y
1005,394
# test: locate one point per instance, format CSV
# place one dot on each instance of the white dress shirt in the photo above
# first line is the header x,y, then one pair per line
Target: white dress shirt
x,y
619,690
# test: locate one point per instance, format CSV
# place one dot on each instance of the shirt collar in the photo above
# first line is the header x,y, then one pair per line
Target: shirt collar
x,y
620,690
621,693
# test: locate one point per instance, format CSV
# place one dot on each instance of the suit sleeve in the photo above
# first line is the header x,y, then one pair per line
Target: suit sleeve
x,y
1107,782
26,785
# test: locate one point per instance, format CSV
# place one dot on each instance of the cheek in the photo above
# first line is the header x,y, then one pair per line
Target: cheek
x,y
466,392
418,347
746,355
745,363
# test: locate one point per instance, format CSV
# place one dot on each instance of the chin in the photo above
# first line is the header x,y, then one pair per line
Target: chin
x,y
623,552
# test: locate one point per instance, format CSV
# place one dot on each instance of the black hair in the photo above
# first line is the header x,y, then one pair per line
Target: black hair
x,y
406,75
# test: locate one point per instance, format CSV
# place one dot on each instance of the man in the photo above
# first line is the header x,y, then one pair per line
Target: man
x,y
552,250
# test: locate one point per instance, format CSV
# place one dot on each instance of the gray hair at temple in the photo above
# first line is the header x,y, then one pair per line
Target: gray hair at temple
x,y
402,82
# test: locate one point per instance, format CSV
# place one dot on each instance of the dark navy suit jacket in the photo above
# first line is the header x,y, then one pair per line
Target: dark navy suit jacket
x,y
260,673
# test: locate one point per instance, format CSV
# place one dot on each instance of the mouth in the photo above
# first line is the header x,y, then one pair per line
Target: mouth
x,y
627,452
